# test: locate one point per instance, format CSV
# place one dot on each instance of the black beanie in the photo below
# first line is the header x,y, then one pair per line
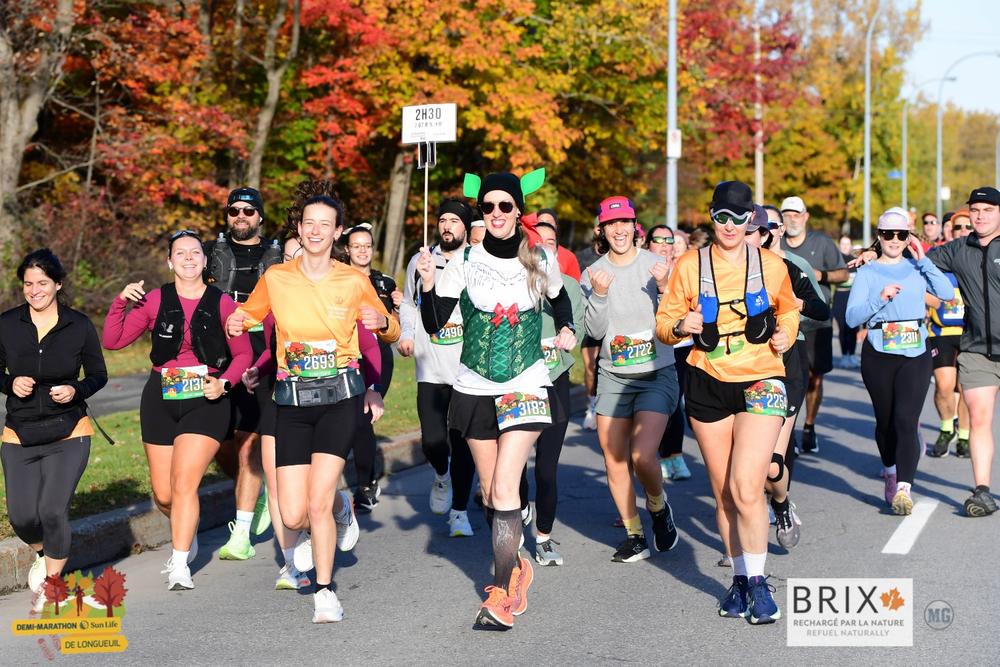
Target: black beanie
x,y
459,208
506,182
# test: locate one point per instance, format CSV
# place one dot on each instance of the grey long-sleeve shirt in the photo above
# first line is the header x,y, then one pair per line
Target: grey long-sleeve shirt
x,y
626,317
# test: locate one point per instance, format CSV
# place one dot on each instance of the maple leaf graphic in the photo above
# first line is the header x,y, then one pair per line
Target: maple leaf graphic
x,y
109,589
892,600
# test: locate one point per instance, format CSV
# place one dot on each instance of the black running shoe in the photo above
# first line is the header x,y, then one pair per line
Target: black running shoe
x,y
664,531
962,448
980,503
633,549
366,498
809,444
941,445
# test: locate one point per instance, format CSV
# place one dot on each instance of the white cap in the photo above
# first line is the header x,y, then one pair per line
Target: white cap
x,y
793,204
895,218
478,223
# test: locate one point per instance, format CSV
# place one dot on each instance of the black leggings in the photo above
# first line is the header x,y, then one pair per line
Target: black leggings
x,y
41,481
365,446
848,335
438,441
672,441
547,451
897,386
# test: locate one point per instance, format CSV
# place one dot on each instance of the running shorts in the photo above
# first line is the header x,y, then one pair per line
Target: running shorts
x,y
475,417
321,429
709,400
264,393
944,351
976,370
162,421
246,411
796,376
819,350
623,396
591,342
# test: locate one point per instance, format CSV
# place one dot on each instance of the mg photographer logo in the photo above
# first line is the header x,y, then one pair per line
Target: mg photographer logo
x,y
850,612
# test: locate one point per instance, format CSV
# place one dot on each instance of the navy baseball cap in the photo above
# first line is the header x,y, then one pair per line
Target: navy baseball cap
x,y
249,195
985,195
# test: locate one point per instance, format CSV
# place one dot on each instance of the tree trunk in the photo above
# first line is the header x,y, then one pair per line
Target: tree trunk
x,y
395,214
22,95
275,74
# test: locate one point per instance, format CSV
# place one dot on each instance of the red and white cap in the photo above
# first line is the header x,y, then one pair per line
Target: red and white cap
x,y
615,208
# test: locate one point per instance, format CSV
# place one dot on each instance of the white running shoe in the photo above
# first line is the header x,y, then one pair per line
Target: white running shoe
x,y
348,531
458,524
326,607
441,496
526,516
590,420
290,579
37,573
302,556
178,576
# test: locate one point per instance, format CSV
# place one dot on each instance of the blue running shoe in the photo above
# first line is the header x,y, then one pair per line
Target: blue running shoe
x,y
734,605
761,606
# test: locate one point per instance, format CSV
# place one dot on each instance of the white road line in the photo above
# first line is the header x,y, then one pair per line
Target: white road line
x,y
909,529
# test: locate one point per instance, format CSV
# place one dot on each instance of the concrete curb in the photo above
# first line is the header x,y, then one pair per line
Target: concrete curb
x,y
117,533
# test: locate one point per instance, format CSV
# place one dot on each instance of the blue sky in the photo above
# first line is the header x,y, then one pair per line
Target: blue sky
x,y
955,28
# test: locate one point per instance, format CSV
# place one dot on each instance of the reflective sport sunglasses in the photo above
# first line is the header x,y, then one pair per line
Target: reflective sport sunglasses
x,y
505,207
184,232
669,240
889,234
724,216
968,226
248,211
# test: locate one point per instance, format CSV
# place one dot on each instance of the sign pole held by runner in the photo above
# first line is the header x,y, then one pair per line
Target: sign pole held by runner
x,y
428,125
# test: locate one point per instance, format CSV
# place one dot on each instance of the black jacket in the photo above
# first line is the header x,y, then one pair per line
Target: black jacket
x,y
56,360
978,272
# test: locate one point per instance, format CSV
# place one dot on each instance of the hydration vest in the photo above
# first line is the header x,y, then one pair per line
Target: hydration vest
x,y
760,319
208,339
222,264
500,344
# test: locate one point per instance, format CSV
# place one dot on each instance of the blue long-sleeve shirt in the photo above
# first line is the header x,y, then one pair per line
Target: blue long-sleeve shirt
x,y
906,311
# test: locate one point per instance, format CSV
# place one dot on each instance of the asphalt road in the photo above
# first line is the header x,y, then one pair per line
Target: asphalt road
x,y
410,593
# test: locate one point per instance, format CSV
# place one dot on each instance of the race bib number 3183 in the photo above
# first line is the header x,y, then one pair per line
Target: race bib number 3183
x,y
312,359
767,397
527,407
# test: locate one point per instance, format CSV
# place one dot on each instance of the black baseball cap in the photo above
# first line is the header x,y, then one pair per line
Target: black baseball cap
x,y
985,195
249,195
733,196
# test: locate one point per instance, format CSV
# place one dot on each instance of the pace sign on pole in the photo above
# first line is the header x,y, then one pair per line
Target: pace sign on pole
x,y
428,125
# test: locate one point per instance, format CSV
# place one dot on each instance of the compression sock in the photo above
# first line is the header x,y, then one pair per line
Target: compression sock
x,y
506,541
243,519
963,434
633,526
947,426
754,563
655,503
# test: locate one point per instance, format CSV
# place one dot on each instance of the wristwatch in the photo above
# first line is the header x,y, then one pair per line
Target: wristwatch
x,y
226,386
676,331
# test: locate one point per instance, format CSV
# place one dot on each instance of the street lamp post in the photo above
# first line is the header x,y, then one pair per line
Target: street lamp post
x,y
997,161
866,232
671,113
940,116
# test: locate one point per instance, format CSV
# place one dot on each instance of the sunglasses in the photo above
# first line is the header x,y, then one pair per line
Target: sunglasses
x,y
725,216
184,232
248,211
505,207
889,234
669,240
969,226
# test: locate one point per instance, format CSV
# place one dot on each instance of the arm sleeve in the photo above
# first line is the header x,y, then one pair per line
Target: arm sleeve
x,y
595,318
371,356
239,346
435,310
266,364
554,281
95,372
121,329
370,298
937,283
258,304
814,306
788,307
408,309
675,303
942,256
864,301
562,309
